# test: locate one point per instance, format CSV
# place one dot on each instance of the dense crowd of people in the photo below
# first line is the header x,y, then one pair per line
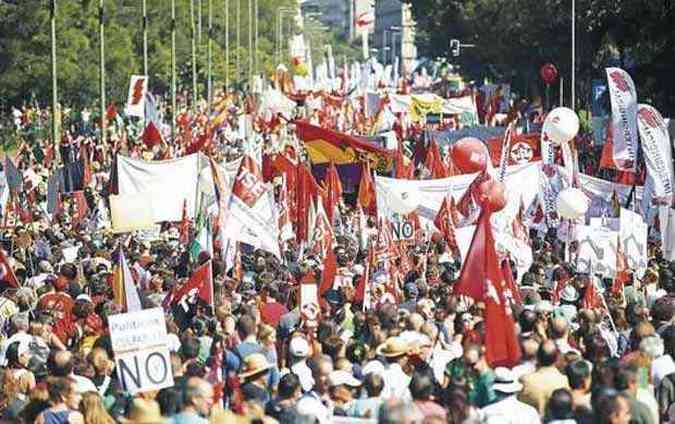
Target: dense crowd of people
x,y
415,355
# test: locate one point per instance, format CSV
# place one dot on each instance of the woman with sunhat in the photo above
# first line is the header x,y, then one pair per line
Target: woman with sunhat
x,y
254,377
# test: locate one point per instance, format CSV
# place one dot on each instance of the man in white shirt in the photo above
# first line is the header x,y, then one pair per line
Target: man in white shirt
x,y
508,409
299,351
20,325
396,381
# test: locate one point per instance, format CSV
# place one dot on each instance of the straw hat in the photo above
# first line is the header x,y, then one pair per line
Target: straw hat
x,y
393,347
505,381
254,363
144,412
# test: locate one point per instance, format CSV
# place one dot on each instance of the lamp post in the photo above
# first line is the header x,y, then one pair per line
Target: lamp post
x,y
574,20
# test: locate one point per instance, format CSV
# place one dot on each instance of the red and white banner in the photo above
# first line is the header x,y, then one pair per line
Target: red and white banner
x,y
138,87
623,97
253,214
550,172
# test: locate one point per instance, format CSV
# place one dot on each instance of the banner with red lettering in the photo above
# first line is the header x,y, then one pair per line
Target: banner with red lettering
x,y
623,98
659,162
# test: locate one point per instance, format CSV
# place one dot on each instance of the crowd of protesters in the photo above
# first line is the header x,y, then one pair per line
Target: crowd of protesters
x,y
251,356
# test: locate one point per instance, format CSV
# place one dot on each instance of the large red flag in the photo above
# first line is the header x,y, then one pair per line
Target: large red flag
x,y
482,279
81,207
362,285
591,299
333,191
445,224
404,167
151,136
202,281
622,272
367,191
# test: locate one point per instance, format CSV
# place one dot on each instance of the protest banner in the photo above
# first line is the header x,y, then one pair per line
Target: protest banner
x,y
633,239
142,358
403,230
596,251
131,212
138,88
623,97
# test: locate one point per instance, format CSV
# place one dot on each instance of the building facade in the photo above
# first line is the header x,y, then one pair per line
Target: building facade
x,y
394,34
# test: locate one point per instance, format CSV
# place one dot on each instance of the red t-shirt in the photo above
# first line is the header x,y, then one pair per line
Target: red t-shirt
x,y
271,313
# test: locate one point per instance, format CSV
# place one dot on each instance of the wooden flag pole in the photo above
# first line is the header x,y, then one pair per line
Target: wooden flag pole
x,y
194,55
55,135
173,71
101,30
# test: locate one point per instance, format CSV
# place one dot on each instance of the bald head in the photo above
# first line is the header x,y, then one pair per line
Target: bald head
x,y
548,354
60,363
530,347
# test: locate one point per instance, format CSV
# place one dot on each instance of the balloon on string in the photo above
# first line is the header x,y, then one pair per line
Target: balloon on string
x,y
492,195
403,200
572,203
470,155
561,125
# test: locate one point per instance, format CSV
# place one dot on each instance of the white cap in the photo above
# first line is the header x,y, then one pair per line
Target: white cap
x,y
299,347
373,367
505,381
342,378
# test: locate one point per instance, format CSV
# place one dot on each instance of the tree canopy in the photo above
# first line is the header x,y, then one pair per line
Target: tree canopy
x,y
514,38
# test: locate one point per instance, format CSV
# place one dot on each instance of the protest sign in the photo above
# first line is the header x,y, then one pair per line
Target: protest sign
x,y
633,239
403,230
142,358
138,87
597,249
623,97
130,212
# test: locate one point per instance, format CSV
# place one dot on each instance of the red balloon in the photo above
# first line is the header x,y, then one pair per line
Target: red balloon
x,y
492,195
548,73
470,155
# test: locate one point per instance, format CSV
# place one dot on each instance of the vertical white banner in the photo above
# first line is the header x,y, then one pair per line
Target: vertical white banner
x,y
138,87
623,97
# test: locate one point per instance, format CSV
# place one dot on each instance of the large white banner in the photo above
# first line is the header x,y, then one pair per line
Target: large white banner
x,y
253,214
138,87
623,97
168,184
633,239
659,162
142,356
426,196
549,178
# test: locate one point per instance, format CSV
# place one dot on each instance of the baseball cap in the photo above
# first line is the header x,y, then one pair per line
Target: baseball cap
x,y
299,347
342,378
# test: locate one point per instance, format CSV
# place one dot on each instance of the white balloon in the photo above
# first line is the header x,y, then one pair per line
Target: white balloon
x,y
561,125
403,200
572,203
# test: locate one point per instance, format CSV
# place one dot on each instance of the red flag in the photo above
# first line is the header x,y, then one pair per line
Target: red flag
x,y
111,112
307,188
512,290
184,228
592,299
384,243
445,224
87,176
622,272
238,271
81,208
404,167
333,191
202,281
6,272
518,227
203,141
366,197
328,273
607,157
433,161
284,164
322,237
482,279
151,136
361,286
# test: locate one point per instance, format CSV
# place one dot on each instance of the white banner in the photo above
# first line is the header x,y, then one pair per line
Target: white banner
x,y
658,157
623,97
138,87
141,354
131,212
597,247
253,213
167,184
633,238
522,182
548,178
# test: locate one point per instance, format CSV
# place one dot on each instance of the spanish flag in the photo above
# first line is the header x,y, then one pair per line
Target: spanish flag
x,y
124,289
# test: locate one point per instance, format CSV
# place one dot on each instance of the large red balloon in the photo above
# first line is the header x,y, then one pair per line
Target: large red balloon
x,y
491,195
470,155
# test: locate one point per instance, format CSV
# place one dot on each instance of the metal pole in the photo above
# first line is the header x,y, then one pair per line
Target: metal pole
x,y
209,87
101,58
574,21
250,42
227,45
384,47
562,96
194,55
145,38
55,136
238,36
199,23
277,40
255,40
173,71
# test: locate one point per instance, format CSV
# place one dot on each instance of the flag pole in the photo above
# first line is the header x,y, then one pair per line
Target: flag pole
x,y
209,88
250,43
55,136
238,46
101,28
194,55
145,39
227,46
255,40
173,70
